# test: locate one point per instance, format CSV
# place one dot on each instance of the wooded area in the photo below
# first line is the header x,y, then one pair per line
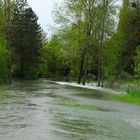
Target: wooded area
x,y
88,44
80,83
21,41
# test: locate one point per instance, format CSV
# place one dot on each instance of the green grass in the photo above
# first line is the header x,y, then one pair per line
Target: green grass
x,y
131,97
133,90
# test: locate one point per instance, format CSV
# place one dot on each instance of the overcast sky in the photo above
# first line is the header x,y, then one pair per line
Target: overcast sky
x,y
43,9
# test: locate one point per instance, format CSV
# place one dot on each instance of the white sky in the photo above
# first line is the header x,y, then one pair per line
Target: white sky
x,y
43,9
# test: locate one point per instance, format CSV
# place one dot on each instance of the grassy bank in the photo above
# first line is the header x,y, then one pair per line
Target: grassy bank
x,y
132,96
128,84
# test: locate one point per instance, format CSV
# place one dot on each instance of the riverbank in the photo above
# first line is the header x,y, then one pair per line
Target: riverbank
x,y
91,86
132,91
132,96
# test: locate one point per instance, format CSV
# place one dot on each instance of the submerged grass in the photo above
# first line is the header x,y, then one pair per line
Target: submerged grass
x,y
79,106
3,93
86,107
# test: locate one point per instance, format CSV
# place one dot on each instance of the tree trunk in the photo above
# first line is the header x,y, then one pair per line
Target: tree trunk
x,y
81,67
84,77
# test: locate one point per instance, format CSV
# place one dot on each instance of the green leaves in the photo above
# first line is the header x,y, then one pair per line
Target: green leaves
x,y
26,42
3,59
3,50
79,35
137,61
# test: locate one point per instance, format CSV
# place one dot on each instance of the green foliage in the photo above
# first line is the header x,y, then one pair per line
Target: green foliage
x,y
79,35
43,69
128,28
26,41
73,51
111,54
134,93
3,59
31,73
137,61
2,18
54,59
3,50
121,47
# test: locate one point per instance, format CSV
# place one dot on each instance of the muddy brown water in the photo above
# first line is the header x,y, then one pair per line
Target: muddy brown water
x,y
42,110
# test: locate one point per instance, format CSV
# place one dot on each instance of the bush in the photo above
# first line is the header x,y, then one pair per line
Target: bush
x,y
30,74
125,76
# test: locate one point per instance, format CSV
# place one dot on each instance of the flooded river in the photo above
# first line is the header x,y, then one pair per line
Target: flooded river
x,y
42,110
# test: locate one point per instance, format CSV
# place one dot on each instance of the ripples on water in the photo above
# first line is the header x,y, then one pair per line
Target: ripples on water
x,y
41,110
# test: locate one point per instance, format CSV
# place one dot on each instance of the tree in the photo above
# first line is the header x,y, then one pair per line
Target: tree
x,y
137,61
128,28
3,50
26,42
3,59
84,18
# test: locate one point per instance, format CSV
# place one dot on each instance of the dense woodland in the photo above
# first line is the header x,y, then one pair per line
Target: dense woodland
x,y
92,40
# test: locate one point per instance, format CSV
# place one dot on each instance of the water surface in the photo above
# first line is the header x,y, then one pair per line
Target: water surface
x,y
42,110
